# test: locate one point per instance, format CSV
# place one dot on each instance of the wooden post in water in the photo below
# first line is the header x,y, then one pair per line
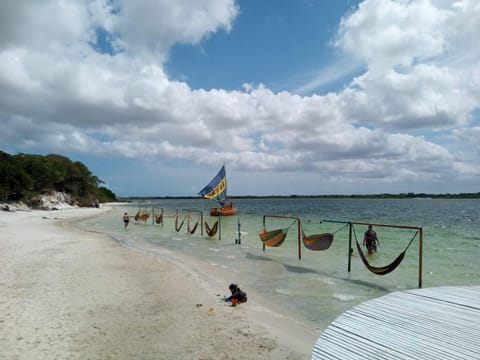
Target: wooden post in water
x,y
299,235
349,247
420,257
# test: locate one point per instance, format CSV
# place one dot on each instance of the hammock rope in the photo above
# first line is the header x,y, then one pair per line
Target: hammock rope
x,y
318,242
274,238
382,270
211,231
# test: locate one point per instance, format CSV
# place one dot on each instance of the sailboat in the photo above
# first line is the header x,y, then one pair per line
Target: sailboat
x,y
217,190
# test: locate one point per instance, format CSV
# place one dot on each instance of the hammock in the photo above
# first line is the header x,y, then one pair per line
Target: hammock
x,y
211,231
141,215
383,270
274,238
192,231
179,227
317,241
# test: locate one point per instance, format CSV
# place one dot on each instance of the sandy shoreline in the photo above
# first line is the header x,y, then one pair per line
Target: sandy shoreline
x,y
70,294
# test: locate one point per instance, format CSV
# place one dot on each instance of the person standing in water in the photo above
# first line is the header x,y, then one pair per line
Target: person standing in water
x,y
126,220
370,240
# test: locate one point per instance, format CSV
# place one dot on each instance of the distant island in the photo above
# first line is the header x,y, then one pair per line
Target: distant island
x,y
27,178
352,196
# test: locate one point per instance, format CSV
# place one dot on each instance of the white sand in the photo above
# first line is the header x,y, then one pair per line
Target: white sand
x,y
68,294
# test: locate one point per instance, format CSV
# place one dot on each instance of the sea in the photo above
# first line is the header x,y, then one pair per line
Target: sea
x,y
313,286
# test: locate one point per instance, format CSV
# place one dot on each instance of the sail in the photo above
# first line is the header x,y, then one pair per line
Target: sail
x,y
217,188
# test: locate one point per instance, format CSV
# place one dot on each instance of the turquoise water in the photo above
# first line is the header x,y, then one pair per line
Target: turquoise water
x,y
318,287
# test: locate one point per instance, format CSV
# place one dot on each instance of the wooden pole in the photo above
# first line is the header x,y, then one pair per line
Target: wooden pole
x,y
264,228
420,258
349,247
239,240
299,245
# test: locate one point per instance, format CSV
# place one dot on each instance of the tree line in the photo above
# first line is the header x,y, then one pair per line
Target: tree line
x,y
23,176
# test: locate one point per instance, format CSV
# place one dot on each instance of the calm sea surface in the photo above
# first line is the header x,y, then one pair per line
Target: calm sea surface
x,y
317,288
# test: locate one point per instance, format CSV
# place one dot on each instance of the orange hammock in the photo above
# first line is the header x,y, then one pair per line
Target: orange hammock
x,y
141,215
211,231
274,238
382,270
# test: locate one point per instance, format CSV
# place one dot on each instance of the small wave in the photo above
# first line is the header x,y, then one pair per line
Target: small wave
x,y
214,249
325,281
345,297
283,291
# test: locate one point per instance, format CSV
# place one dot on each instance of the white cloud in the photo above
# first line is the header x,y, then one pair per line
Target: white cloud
x,y
387,33
411,49
151,27
58,93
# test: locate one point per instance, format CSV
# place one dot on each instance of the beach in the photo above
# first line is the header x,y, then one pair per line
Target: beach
x,y
72,294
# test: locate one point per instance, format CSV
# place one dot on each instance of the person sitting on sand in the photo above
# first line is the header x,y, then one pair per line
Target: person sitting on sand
x,y
237,294
370,240
126,219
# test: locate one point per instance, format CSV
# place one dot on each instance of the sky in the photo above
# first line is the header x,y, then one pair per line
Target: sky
x,y
294,97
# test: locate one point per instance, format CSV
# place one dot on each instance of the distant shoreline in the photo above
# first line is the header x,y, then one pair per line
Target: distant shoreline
x,y
352,196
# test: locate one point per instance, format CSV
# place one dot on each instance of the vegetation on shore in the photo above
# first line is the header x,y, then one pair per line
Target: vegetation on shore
x,y
24,177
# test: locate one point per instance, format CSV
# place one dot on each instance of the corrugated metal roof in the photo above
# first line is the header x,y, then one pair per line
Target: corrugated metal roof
x,y
434,323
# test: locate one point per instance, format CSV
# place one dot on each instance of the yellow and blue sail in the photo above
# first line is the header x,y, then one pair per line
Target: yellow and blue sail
x,y
217,188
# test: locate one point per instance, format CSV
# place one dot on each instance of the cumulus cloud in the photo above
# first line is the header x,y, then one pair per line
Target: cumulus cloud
x,y
89,77
413,51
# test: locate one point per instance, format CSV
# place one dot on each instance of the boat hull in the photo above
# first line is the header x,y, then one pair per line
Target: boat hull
x,y
226,210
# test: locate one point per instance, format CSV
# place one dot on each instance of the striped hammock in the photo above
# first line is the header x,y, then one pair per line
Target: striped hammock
x,y
273,238
211,231
317,241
